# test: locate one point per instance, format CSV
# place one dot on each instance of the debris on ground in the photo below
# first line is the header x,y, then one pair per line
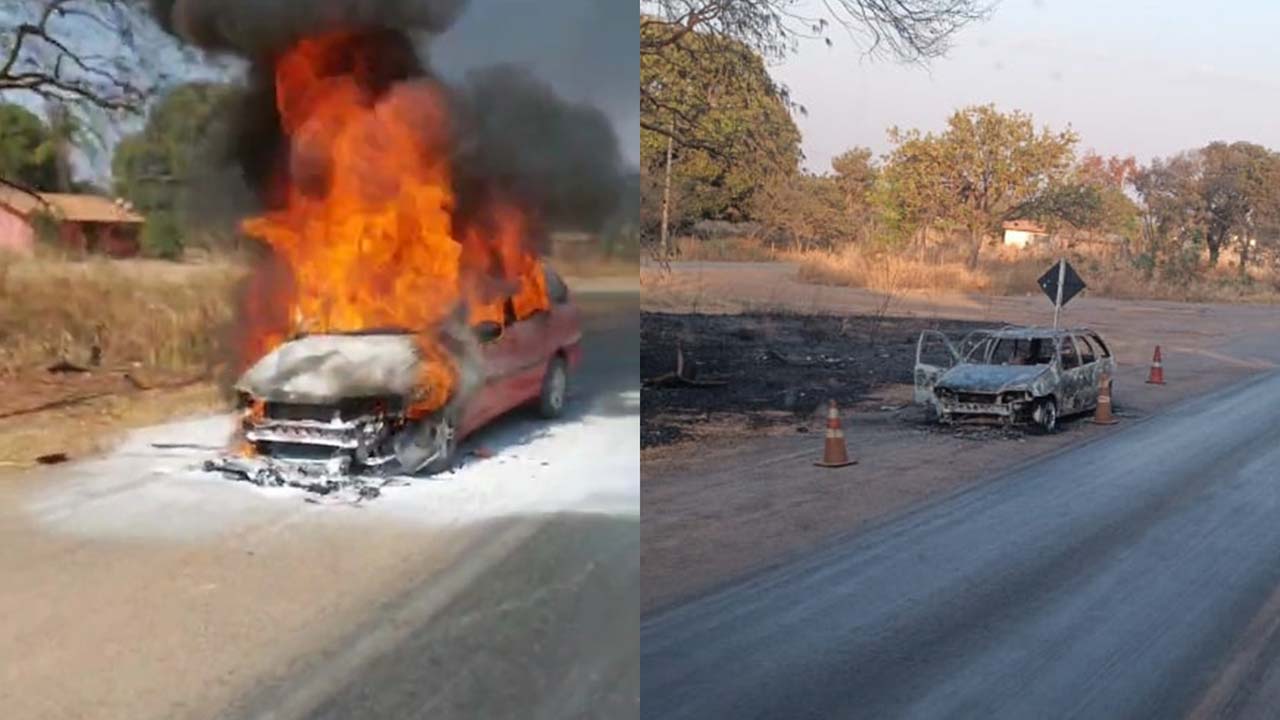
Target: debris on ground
x,y
776,368
331,481
684,375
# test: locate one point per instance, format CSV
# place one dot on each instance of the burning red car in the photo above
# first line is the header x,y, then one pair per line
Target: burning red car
x,y
321,409
393,312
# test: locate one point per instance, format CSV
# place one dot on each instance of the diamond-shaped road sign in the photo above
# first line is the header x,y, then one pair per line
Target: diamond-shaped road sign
x,y
1071,283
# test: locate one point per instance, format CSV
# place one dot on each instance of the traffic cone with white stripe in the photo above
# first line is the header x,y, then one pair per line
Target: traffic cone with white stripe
x,y
834,453
1103,416
1157,370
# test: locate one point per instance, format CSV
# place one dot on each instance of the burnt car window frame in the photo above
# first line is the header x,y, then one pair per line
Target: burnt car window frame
x,y
1040,343
1082,341
1021,348
1063,343
1106,352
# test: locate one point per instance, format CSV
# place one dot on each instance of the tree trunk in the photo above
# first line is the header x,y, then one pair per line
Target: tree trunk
x,y
1244,256
975,247
1214,248
666,204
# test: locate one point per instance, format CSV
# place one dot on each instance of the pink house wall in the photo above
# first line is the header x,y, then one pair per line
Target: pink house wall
x,y
16,234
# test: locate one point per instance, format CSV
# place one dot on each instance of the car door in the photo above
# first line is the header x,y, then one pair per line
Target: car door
x,y
1071,395
934,356
1092,364
501,352
1106,361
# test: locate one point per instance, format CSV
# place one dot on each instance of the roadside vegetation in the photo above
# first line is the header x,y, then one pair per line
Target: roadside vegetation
x,y
113,313
725,180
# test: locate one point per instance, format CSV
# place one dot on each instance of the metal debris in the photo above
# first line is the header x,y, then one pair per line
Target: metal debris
x,y
329,482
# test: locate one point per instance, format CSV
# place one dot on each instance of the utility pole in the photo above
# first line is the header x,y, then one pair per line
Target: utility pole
x,y
666,197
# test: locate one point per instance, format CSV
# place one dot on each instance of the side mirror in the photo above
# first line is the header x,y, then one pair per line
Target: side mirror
x,y
488,331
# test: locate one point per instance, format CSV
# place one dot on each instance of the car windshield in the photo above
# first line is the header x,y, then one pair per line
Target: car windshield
x,y
1019,351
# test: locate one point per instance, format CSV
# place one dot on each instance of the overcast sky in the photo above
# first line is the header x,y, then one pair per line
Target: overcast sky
x,y
1143,78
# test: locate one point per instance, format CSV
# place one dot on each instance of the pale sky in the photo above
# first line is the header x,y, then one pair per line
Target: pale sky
x,y
1143,78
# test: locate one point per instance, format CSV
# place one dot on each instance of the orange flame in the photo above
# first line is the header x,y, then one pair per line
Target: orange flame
x,y
365,234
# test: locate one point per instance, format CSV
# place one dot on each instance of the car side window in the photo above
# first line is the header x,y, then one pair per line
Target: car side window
x,y
1041,351
1086,350
1102,347
1070,359
978,353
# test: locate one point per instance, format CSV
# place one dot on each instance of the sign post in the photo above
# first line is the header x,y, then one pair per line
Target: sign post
x,y
1057,302
1060,283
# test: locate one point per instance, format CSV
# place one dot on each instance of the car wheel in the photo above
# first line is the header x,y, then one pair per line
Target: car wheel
x,y
428,446
555,389
1046,416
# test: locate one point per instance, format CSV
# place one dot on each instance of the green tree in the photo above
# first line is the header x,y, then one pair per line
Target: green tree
x,y
807,209
1172,209
738,135
159,168
1236,189
855,175
981,168
26,150
912,197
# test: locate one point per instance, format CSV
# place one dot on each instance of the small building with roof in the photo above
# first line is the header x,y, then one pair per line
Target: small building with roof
x,y
1024,233
80,222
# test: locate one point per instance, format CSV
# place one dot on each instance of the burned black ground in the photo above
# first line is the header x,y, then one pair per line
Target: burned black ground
x,y
777,368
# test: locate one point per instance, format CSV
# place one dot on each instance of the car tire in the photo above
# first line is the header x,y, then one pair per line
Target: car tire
x,y
555,389
421,439
449,453
1047,416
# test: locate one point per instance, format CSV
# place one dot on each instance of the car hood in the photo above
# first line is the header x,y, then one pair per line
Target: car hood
x,y
320,369
990,378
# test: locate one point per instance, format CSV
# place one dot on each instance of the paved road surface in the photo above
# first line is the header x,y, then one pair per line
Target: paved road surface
x,y
135,586
1115,579
549,630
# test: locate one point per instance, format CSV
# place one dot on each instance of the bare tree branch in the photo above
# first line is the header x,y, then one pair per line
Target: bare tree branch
x,y
722,36
81,52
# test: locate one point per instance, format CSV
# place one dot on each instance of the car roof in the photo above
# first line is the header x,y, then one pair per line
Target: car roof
x,y
1030,332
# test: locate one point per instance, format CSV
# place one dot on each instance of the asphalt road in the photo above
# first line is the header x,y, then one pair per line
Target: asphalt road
x,y
135,585
546,626
1122,578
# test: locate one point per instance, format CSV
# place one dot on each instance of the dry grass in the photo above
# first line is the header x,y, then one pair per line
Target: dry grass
x,y
152,313
1014,272
727,249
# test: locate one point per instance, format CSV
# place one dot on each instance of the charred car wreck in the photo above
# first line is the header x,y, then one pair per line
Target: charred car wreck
x,y
330,412
1014,375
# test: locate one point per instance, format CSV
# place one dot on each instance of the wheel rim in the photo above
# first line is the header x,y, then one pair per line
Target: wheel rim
x,y
1050,416
556,388
445,433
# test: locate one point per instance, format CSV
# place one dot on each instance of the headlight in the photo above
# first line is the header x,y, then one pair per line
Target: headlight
x,y
945,393
1014,396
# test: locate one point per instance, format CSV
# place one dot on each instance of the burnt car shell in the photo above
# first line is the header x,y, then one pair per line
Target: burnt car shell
x,y
1012,375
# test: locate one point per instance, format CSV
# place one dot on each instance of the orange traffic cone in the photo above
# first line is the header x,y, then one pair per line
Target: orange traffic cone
x,y
1157,370
834,453
1103,414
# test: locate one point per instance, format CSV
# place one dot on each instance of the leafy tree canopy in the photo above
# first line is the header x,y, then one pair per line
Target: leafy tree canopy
x,y
743,132
26,149
160,168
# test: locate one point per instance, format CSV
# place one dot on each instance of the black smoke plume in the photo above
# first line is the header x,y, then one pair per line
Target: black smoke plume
x,y
515,137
